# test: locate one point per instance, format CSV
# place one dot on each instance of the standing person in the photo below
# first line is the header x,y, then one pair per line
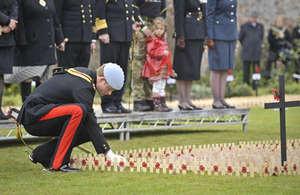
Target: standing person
x,y
222,34
279,39
144,13
76,18
37,34
251,37
190,34
8,22
296,45
114,20
158,67
63,107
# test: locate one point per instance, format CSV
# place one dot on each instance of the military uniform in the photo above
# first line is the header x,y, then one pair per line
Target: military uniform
x,y
76,18
114,17
8,10
221,23
296,44
190,25
63,107
144,13
251,37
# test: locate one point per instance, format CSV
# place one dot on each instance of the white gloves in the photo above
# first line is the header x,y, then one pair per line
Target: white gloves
x,y
112,156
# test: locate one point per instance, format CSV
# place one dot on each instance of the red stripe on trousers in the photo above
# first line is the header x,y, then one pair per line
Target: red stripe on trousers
x,y
76,116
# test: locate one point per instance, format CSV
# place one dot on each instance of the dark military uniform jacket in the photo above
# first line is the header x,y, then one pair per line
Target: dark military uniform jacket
x,y
251,38
190,19
37,33
221,20
8,10
148,9
64,88
115,17
76,18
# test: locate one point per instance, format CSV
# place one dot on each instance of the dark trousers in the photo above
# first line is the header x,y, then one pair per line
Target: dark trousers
x,y
115,52
246,70
75,55
65,122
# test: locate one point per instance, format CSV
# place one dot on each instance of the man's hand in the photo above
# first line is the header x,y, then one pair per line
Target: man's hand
x,y
147,32
104,38
93,47
211,44
5,29
180,42
13,24
166,53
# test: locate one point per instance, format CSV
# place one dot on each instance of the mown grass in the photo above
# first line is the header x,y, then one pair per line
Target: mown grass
x,y
19,176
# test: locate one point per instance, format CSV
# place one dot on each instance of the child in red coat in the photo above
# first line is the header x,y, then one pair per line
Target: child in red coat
x,y
158,65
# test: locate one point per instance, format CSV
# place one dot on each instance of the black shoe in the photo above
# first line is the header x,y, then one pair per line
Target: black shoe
x,y
111,109
196,107
66,168
228,106
150,103
182,107
3,116
218,107
141,106
123,110
33,159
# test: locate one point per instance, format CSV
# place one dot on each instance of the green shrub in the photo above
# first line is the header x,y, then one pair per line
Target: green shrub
x,y
240,90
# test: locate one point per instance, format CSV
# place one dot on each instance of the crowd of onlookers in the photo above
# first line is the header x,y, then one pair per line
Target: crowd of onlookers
x,y
37,34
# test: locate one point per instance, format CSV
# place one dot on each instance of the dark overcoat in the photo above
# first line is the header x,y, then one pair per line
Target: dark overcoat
x,y
251,38
37,33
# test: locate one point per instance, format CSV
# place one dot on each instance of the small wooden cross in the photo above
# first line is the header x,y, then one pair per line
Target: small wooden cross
x,y
282,104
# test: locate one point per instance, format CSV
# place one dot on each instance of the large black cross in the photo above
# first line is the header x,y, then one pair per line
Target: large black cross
x,y
282,104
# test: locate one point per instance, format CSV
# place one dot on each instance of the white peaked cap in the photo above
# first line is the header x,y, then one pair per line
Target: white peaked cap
x,y
114,75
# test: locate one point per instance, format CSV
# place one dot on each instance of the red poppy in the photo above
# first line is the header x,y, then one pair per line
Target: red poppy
x,y
295,167
293,144
131,164
190,150
192,155
202,168
244,169
167,155
130,155
96,162
83,162
121,164
138,25
221,148
181,151
108,163
144,164
240,146
149,154
157,165
276,169
229,147
229,72
178,154
276,94
256,69
183,167
71,161
216,168
266,170
140,155
285,168
170,166
229,169
122,155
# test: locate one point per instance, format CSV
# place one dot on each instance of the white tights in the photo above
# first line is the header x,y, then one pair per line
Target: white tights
x,y
159,87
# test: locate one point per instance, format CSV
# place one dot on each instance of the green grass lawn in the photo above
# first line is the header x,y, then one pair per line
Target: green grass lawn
x,y
19,176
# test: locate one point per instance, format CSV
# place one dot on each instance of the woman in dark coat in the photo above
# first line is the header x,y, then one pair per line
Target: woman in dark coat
x,y
222,36
37,34
8,21
190,35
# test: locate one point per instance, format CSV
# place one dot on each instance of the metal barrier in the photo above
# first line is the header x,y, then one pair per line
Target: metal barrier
x,y
144,121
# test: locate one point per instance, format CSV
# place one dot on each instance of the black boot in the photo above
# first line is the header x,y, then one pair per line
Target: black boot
x,y
141,106
164,105
25,90
150,103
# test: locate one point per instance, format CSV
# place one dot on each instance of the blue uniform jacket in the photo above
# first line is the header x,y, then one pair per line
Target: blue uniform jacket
x,y
221,20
